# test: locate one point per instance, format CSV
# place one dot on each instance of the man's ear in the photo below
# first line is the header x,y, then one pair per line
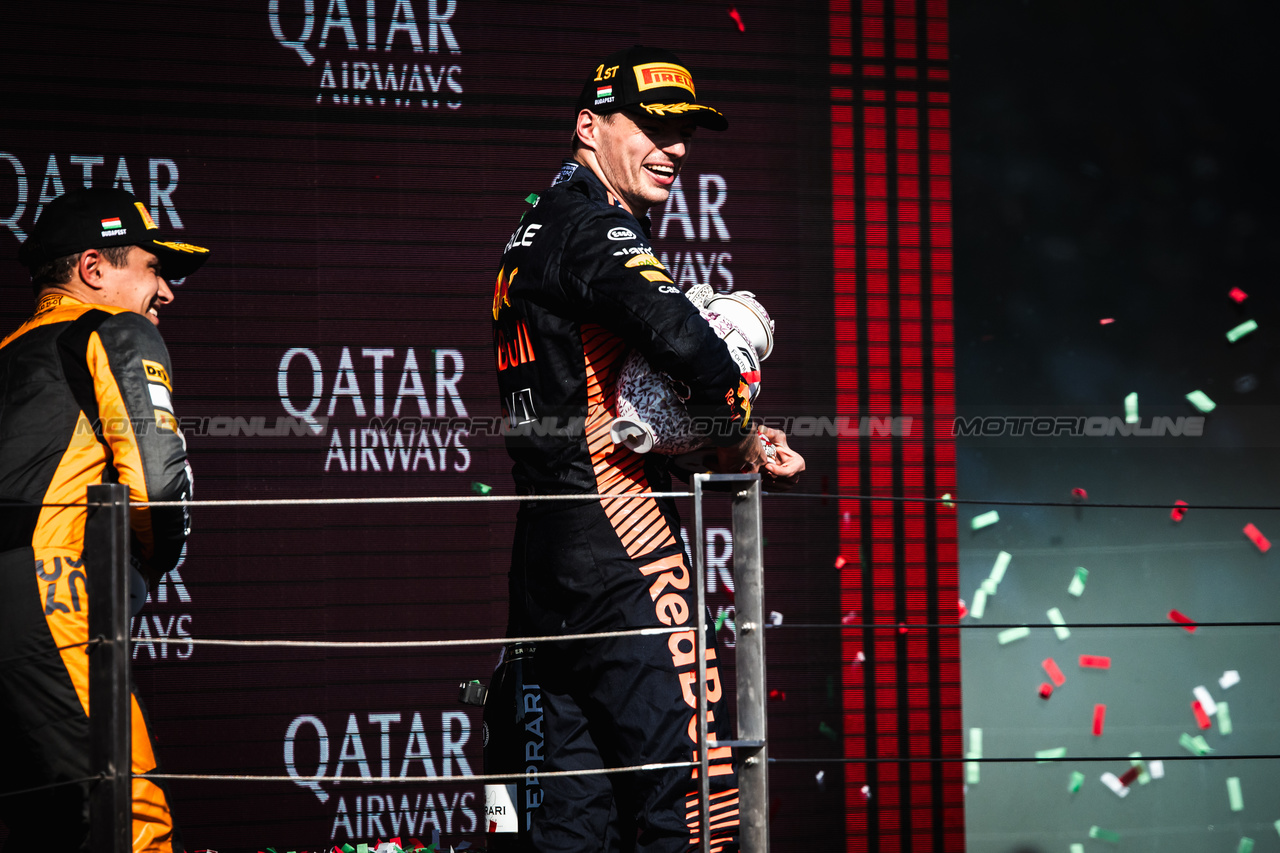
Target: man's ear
x,y
89,268
586,129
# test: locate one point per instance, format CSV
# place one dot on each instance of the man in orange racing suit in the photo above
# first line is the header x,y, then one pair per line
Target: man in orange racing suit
x,y
578,289
85,398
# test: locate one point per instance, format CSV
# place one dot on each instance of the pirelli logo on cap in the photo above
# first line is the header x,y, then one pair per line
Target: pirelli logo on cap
x,y
655,75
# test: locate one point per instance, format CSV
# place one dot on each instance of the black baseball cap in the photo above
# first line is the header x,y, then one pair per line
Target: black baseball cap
x,y
650,79
97,218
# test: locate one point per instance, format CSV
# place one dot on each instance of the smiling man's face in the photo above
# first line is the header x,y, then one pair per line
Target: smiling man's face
x,y
639,156
137,286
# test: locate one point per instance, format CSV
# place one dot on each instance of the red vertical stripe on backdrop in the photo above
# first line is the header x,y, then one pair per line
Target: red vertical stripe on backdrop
x,y
891,203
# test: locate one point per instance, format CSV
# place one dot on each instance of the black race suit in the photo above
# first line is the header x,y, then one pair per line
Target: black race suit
x,y
85,398
579,288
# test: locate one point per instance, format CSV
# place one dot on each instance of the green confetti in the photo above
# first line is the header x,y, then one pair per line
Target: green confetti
x,y
1104,834
989,586
1143,776
985,520
1240,331
1000,567
1188,743
1131,409
362,848
1045,755
979,604
1077,848
973,772
975,743
1201,401
1059,624
724,614
1277,826
347,848
481,488
1076,587
1077,780
1224,719
1010,634
532,198
1202,745
946,501
1245,845
1233,794
827,732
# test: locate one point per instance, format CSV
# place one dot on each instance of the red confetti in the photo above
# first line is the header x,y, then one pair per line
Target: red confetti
x,y
1237,294
849,618
1099,718
1179,510
902,629
1202,719
1046,690
964,611
1186,623
1128,778
840,562
1106,321
1080,494
778,695
1051,667
1255,536
1095,661
733,13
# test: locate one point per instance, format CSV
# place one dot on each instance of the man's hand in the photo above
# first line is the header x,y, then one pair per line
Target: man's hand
x,y
781,468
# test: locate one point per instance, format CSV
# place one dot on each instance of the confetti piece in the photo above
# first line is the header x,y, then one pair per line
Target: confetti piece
x,y
1179,511
1237,294
841,562
1046,690
999,568
778,695
1109,779
946,501
1106,321
1099,718
1080,494
985,520
1256,537
1245,845
972,773
1077,779
1206,701
1276,824
1130,776
1055,674
481,488
733,13
1230,678
1186,623
1104,834
964,611
531,198
1224,719
1077,848
989,586
1076,587
975,743
979,604
1095,661
1240,331
1143,776
720,619
1233,794
1131,409
775,619
1195,745
1059,624
827,732
1010,634
821,775
1201,401
1044,755
850,618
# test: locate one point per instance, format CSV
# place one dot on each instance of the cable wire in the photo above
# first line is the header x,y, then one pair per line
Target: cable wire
x,y
97,778
373,780
419,644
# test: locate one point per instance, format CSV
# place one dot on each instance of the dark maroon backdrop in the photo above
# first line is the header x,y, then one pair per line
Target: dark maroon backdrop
x,y
359,234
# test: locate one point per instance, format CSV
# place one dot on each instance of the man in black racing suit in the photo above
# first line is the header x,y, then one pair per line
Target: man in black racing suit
x,y
579,287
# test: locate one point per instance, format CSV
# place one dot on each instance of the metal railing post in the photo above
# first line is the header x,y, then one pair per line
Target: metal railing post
x,y
106,555
748,573
699,579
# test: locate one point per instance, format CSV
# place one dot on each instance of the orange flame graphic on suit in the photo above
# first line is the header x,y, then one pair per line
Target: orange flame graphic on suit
x,y
500,288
